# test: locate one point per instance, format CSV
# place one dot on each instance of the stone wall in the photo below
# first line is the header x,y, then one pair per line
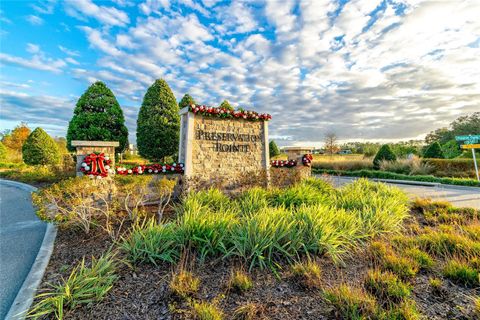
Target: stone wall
x,y
223,152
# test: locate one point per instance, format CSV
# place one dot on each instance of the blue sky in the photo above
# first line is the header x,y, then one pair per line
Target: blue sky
x,y
389,69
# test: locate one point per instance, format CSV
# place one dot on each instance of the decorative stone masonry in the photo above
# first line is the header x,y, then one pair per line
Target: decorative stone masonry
x,y
283,177
222,151
85,148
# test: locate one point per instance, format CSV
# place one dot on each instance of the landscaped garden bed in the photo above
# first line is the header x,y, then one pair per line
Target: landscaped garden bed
x,y
305,252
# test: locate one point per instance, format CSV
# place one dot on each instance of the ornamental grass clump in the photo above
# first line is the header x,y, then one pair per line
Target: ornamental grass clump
x,y
462,272
265,228
308,273
352,303
206,311
184,284
387,287
240,281
85,285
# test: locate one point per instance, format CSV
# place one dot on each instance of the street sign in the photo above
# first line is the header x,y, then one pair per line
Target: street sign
x,y
470,139
470,146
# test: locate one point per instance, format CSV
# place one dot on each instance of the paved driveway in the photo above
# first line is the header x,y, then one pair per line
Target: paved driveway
x,y
458,196
21,235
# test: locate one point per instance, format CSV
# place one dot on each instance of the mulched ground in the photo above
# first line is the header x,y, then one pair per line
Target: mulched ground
x,y
143,293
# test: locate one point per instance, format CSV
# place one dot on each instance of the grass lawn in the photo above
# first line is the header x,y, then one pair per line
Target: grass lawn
x,y
309,251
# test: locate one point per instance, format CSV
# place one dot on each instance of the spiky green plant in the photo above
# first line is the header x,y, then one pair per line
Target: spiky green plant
x,y
84,285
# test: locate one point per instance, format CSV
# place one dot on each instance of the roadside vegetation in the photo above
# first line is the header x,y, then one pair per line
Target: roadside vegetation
x,y
363,251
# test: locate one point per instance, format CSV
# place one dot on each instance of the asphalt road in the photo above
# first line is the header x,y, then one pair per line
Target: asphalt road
x,y
21,235
459,197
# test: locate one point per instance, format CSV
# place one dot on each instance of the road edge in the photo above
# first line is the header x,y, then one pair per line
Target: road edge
x,y
24,298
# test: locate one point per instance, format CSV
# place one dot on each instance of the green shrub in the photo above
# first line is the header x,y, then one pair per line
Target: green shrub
x,y
402,266
385,153
40,149
98,117
35,174
85,285
186,101
273,149
387,287
342,164
434,151
352,303
451,149
158,123
462,272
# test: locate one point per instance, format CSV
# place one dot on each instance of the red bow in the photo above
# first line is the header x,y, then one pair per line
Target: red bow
x,y
97,160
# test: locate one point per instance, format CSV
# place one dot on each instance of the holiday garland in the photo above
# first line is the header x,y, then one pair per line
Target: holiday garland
x,y
283,163
152,169
225,113
96,164
306,160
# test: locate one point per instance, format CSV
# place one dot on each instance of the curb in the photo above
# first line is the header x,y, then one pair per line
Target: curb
x,y
22,302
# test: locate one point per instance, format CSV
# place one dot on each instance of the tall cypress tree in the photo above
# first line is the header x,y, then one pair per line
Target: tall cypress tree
x,y
98,117
158,123
273,149
186,101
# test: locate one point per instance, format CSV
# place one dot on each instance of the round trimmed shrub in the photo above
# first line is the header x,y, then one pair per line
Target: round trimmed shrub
x,y
385,153
186,101
158,123
98,117
434,151
40,149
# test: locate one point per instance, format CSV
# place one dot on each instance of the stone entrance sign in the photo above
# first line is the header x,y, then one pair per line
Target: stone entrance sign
x,y
214,148
85,148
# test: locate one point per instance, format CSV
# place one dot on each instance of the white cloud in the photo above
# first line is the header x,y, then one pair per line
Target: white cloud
x,y
38,62
34,20
97,41
33,48
69,52
109,16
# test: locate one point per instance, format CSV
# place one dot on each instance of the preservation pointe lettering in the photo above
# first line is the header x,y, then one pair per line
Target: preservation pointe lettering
x,y
236,138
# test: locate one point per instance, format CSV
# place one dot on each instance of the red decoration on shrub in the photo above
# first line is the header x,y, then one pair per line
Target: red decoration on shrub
x,y
307,159
283,163
225,113
96,164
152,169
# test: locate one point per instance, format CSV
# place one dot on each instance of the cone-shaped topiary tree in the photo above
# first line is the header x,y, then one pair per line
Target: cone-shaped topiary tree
x,y
385,153
158,123
273,149
225,105
434,151
40,148
3,152
186,101
98,117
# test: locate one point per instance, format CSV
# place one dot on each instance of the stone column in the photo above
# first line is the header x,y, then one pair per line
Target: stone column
x,y
297,153
87,147
186,140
